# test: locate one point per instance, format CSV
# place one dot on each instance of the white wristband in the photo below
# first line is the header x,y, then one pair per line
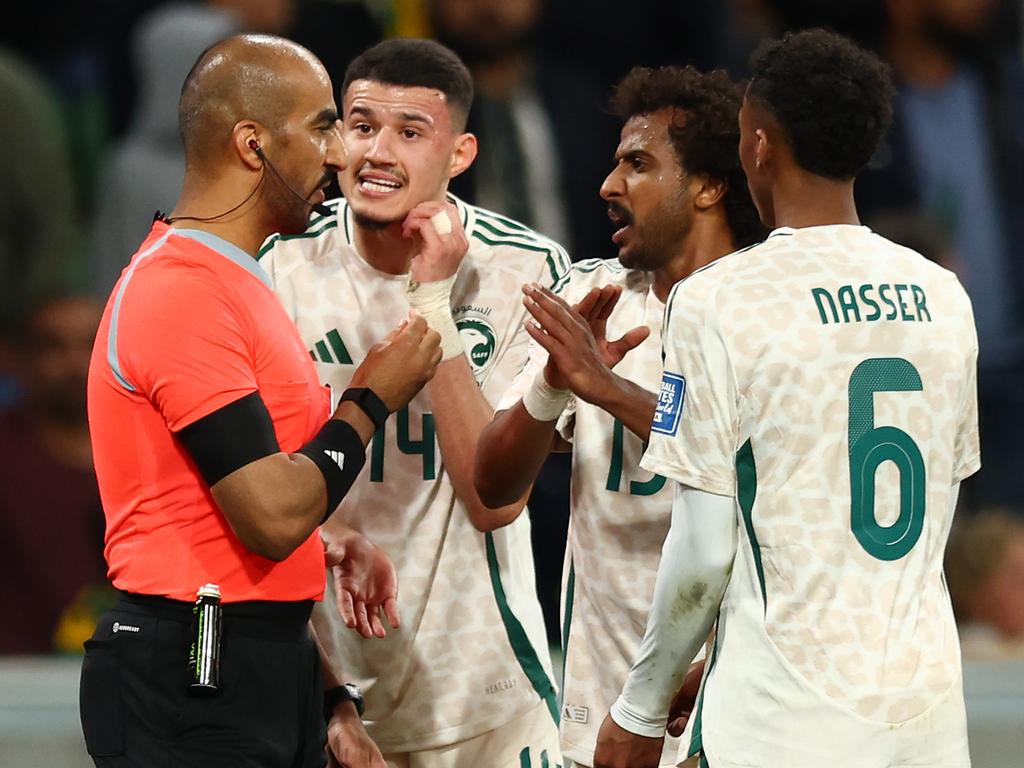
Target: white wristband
x,y
433,301
543,402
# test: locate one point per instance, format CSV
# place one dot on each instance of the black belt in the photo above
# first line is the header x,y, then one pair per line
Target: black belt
x,y
263,619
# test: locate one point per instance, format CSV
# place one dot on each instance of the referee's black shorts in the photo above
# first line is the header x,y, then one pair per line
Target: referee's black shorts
x,y
135,705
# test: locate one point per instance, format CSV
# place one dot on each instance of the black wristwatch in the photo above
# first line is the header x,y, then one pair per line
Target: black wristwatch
x,y
368,403
340,693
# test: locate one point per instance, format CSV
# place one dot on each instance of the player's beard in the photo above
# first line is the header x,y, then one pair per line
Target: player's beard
x,y
658,236
365,221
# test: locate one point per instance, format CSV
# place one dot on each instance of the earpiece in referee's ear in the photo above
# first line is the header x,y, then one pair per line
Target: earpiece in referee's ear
x,y
255,147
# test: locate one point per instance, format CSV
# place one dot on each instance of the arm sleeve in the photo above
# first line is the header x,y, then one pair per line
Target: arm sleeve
x,y
695,432
696,562
186,344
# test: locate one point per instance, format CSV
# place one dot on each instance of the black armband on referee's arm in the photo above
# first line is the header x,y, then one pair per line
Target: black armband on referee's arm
x,y
339,454
234,435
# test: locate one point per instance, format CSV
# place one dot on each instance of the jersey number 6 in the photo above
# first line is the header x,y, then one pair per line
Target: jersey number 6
x,y
870,446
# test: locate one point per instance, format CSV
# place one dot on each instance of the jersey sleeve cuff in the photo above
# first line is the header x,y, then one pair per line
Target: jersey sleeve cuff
x,y
688,476
967,468
635,722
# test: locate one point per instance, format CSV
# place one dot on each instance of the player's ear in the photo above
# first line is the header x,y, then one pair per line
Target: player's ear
x,y
709,192
463,154
762,148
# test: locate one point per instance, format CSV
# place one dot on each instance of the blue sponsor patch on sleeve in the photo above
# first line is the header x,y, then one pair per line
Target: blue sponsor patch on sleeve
x,y
670,404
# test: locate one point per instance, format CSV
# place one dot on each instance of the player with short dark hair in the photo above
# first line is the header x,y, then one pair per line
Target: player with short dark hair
x,y
414,62
466,679
834,121
817,413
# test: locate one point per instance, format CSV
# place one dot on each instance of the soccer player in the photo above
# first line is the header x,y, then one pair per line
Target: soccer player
x,y
678,200
819,389
466,679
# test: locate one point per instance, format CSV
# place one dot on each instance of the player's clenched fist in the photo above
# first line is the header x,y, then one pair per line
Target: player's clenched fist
x,y
398,367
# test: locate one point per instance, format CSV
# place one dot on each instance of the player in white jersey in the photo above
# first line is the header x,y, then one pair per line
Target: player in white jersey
x,y
819,389
678,200
466,679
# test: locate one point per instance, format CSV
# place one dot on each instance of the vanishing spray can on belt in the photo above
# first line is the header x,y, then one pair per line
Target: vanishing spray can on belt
x,y
204,654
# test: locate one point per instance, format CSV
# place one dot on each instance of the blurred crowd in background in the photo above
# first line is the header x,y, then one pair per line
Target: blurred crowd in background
x,y
89,149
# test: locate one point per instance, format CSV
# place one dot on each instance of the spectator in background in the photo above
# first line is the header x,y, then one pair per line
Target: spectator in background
x,y
956,153
52,575
543,120
144,170
985,573
39,228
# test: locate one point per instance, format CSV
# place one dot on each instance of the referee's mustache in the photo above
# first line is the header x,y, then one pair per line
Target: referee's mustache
x,y
325,182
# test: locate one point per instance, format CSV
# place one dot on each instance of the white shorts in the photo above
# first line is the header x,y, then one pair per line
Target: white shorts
x,y
529,741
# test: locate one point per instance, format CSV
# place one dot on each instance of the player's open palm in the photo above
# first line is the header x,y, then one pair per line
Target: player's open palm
x,y
580,357
618,748
398,367
596,314
365,582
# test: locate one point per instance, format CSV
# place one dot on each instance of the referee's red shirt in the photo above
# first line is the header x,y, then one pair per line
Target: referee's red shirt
x,y
191,326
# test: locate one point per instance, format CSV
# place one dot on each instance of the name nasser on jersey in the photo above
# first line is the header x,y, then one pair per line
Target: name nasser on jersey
x,y
864,303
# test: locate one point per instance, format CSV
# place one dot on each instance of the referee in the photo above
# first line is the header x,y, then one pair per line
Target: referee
x,y
215,451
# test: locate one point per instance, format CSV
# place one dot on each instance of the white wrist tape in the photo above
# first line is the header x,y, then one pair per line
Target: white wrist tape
x,y
433,301
543,402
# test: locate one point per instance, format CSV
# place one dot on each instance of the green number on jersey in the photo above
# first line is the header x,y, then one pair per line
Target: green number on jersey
x,y
636,488
870,446
423,447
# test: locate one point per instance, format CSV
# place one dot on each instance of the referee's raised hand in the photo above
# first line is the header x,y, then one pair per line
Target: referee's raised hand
x,y
398,367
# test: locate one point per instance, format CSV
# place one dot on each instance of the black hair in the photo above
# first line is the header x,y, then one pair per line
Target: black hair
x,y
415,62
832,98
707,140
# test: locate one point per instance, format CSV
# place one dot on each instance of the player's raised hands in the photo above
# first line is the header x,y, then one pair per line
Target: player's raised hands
x,y
444,242
580,356
398,367
365,581
618,748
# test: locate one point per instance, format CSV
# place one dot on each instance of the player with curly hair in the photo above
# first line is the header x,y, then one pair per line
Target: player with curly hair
x,y
678,200
817,413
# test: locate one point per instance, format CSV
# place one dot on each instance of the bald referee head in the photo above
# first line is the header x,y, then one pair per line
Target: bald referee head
x,y
259,125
